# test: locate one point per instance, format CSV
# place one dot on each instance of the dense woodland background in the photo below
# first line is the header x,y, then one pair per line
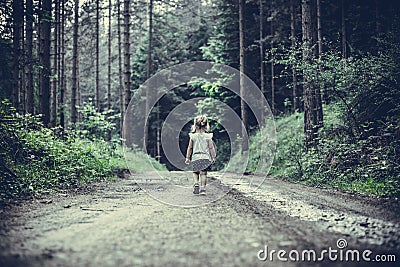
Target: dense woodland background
x,y
329,69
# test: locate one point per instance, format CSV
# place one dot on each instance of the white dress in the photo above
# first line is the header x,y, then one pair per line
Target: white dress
x,y
201,148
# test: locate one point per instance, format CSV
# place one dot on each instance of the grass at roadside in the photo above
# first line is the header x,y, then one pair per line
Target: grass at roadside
x,y
136,161
339,161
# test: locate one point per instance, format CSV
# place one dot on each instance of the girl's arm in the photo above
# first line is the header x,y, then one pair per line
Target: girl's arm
x,y
212,150
189,152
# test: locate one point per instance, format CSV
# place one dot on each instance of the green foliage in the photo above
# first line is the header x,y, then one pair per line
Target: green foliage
x,y
223,45
95,125
342,163
358,148
214,49
368,166
34,158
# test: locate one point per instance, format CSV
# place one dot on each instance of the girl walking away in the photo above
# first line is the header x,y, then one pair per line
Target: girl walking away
x,y
201,152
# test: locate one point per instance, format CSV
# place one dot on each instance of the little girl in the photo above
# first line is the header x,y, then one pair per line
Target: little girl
x,y
201,152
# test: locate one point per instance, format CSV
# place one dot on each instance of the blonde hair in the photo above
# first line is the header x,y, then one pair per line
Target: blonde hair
x,y
200,123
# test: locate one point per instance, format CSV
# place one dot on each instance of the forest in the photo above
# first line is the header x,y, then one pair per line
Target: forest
x,y
329,69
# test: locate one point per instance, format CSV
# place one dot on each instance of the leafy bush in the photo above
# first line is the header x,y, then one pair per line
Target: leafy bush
x,y
358,148
364,165
34,158
95,125
341,163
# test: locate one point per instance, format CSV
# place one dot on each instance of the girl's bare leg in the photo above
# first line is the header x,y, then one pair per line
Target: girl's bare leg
x,y
196,178
203,176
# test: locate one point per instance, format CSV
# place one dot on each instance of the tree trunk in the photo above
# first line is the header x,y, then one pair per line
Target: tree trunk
x,y
319,28
109,56
75,64
30,94
243,106
55,69
319,89
309,88
78,89
158,135
262,56
21,67
272,61
58,59
344,35
149,47
127,53
148,74
109,64
150,39
296,106
318,107
44,61
97,95
120,71
18,19
63,80
37,45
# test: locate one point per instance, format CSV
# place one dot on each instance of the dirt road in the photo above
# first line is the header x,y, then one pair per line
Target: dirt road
x,y
119,224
